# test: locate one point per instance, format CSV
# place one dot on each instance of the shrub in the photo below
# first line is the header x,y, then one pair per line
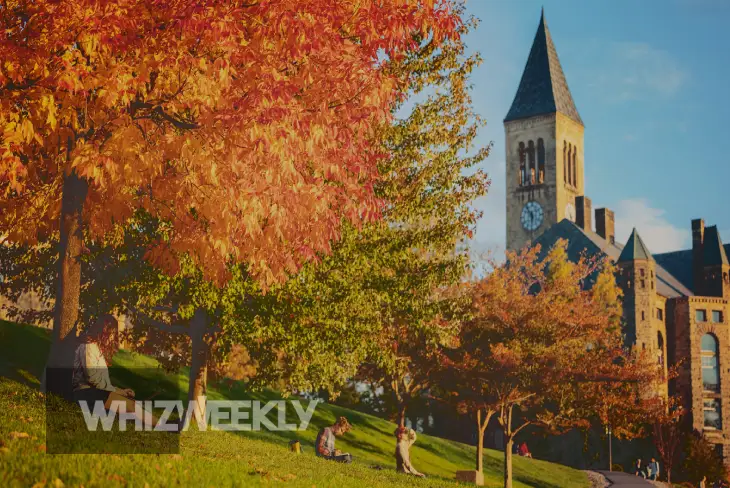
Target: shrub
x,y
702,460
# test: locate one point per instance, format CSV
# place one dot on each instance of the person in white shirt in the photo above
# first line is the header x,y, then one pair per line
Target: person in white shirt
x,y
405,438
90,380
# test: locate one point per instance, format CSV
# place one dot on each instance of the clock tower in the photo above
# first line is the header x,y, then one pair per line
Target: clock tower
x,y
544,147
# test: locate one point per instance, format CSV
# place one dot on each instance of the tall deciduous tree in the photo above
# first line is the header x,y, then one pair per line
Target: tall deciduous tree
x,y
668,432
536,332
247,126
389,282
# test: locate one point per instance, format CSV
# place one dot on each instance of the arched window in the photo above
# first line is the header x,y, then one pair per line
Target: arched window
x,y
570,164
523,172
710,363
531,160
565,162
660,346
540,161
575,167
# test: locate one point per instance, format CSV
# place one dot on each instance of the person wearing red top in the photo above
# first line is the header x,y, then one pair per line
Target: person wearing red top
x,y
524,451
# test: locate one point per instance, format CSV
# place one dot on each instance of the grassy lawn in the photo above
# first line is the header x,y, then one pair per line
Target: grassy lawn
x,y
222,458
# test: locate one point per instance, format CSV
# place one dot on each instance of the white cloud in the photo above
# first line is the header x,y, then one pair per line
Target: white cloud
x,y
654,229
646,67
632,71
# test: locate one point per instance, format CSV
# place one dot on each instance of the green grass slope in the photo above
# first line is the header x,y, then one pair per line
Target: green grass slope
x,y
222,458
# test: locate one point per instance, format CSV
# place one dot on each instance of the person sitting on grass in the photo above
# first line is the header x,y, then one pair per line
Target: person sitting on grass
x,y
325,444
405,438
524,451
90,379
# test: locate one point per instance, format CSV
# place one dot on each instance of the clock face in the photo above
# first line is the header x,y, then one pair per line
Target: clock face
x,y
531,216
570,212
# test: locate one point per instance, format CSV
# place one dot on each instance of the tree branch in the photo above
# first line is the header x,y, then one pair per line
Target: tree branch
x,y
150,322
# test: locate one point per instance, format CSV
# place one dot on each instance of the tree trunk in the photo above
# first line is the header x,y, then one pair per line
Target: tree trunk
x,y
402,415
509,441
66,309
482,423
480,451
197,384
669,476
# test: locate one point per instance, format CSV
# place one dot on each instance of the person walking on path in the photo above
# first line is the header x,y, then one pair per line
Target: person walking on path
x,y
653,470
638,469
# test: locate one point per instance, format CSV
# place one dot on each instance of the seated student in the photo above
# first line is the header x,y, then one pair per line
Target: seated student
x,y
90,380
524,451
325,443
405,438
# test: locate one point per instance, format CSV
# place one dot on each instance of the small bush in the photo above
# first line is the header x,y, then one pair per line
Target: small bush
x,y
617,468
702,460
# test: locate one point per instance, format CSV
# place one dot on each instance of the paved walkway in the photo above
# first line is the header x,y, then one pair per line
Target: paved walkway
x,y
625,479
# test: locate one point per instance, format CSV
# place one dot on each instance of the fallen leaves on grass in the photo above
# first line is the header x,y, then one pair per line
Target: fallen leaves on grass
x,y
19,435
116,477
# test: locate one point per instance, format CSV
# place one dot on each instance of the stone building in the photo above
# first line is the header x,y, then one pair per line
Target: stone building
x,y
676,304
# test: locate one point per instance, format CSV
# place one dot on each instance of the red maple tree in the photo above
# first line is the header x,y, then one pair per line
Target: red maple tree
x,y
245,126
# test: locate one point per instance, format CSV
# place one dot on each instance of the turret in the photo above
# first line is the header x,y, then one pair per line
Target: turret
x,y
637,270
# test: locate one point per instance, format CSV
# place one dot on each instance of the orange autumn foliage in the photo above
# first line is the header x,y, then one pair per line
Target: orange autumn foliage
x,y
247,126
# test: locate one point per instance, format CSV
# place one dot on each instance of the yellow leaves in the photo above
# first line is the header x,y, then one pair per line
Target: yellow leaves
x,y
18,133
49,104
214,173
89,44
10,134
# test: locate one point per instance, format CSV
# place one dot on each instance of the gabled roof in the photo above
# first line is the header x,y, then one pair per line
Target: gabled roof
x,y
586,242
713,251
634,249
543,89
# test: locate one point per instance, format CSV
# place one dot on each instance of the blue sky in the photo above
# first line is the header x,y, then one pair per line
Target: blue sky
x,y
651,80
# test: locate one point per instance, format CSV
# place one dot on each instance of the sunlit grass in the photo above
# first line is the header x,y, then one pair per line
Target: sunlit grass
x,y
222,458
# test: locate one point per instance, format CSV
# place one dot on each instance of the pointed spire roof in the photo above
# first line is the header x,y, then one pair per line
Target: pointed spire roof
x,y
543,89
714,252
634,249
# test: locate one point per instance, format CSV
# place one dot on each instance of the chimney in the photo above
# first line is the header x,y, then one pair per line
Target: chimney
x,y
604,225
583,212
698,252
